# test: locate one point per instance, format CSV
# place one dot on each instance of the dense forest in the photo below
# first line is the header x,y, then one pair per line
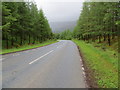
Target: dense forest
x,y
23,23
65,35
98,21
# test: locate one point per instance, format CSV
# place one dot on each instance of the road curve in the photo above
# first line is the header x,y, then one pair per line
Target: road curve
x,y
54,66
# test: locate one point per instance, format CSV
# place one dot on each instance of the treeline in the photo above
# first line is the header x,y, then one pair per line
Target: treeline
x,y
23,23
65,35
98,21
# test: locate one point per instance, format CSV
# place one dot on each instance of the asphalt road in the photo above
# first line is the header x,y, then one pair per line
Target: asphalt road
x,y
54,66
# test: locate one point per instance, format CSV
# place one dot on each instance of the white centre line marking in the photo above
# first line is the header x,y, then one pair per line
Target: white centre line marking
x,y
59,46
16,54
2,59
26,51
41,57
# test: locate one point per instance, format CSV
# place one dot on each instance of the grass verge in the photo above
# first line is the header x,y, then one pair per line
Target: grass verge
x,y
26,47
103,64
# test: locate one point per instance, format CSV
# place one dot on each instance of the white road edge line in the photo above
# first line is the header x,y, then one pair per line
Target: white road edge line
x,y
41,57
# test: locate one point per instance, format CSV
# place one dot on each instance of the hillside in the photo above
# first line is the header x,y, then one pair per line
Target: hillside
x,y
61,26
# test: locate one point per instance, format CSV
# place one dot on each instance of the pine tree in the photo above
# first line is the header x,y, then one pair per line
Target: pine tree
x,y
23,24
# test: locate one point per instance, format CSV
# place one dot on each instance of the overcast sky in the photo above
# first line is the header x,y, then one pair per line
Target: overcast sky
x,y
60,10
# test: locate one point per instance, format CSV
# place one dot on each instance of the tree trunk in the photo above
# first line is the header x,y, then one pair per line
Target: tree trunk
x,y
93,38
104,37
29,38
21,40
99,38
33,40
113,36
109,43
84,38
16,38
39,39
7,42
88,38
78,37
12,42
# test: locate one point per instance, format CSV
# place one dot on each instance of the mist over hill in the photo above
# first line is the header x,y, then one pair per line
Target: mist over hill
x,y
61,26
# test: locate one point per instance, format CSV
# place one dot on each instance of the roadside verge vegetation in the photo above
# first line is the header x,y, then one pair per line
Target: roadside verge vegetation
x,y
104,64
26,47
97,35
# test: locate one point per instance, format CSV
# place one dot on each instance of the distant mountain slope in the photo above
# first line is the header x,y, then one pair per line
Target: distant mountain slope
x,y
61,26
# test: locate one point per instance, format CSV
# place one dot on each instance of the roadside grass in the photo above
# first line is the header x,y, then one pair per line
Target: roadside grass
x,y
26,47
103,63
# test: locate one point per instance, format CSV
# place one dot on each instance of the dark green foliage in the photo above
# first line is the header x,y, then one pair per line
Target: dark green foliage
x,y
98,20
23,23
65,35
